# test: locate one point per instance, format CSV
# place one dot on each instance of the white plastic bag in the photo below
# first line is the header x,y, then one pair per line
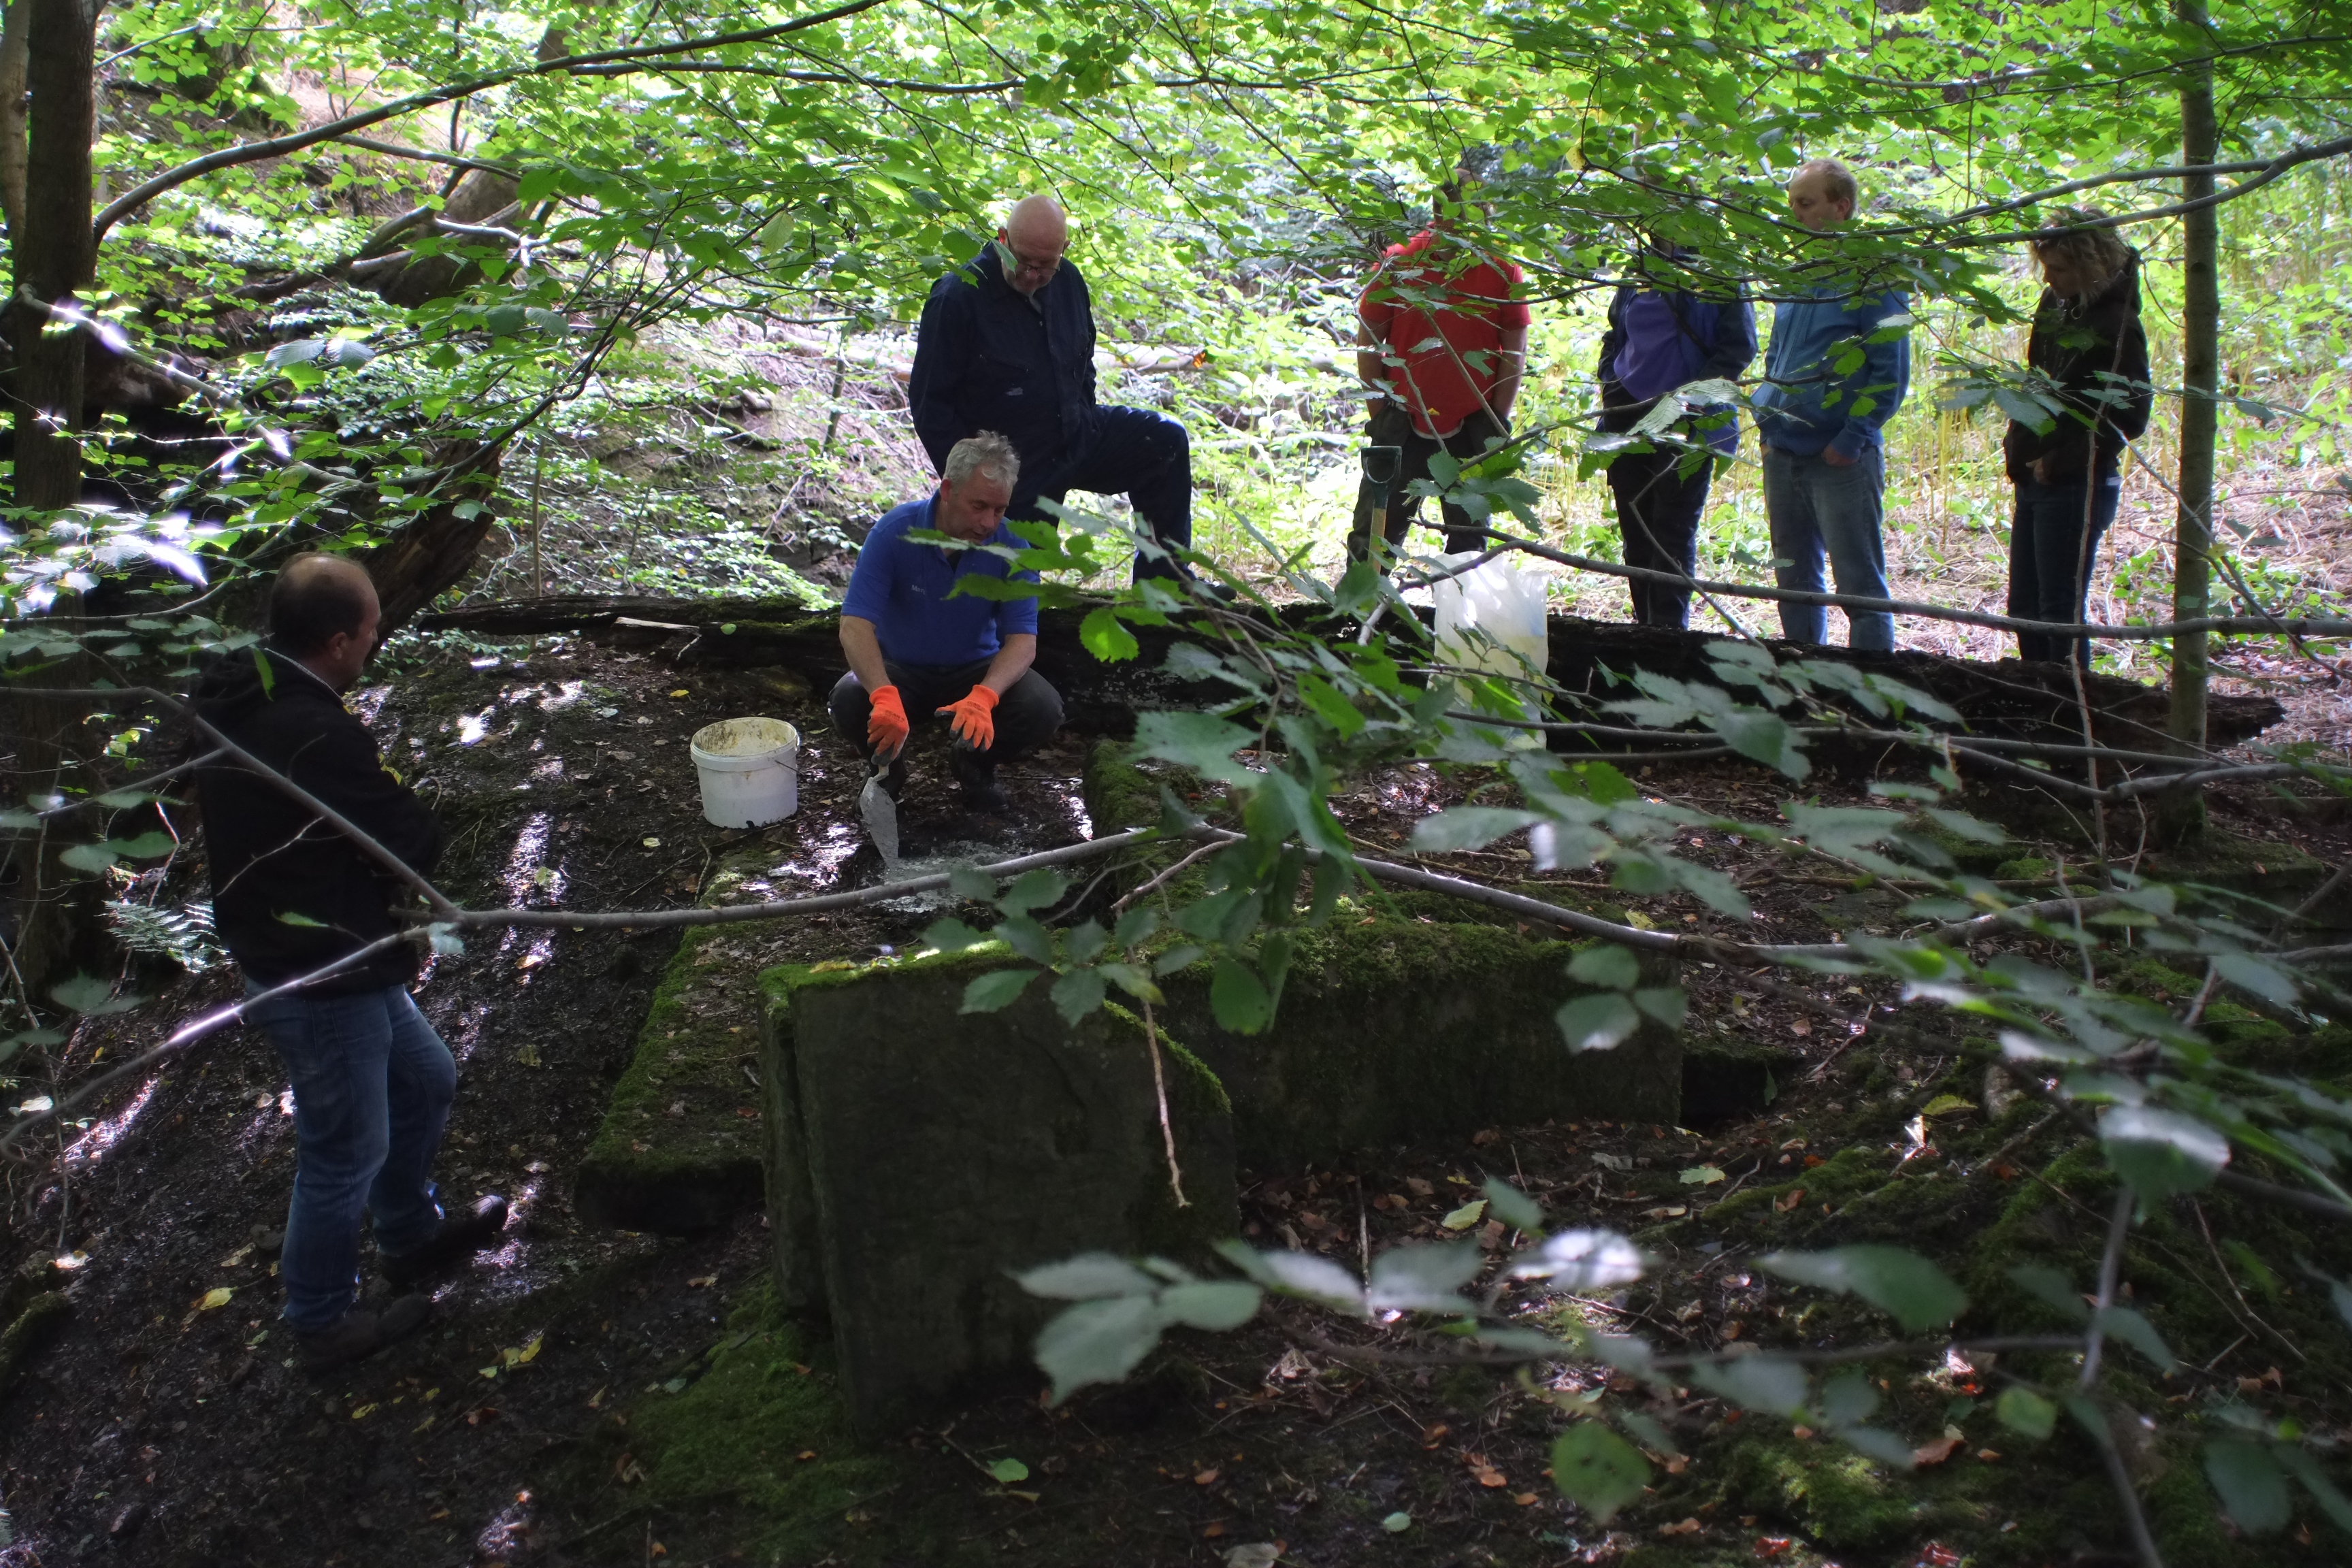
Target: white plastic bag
x,y
1501,602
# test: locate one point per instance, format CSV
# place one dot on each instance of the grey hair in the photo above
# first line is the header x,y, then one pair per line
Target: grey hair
x,y
987,451
1838,180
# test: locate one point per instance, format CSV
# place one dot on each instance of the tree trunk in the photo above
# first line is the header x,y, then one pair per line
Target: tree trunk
x,y
2201,333
55,255
14,56
434,551
47,911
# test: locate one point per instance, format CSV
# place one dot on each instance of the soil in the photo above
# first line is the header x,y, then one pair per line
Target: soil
x,y
592,1397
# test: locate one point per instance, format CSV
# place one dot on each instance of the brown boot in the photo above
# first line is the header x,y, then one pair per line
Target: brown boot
x,y
360,1333
460,1237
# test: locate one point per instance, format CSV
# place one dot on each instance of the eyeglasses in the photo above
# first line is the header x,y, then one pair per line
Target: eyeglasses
x,y
1038,266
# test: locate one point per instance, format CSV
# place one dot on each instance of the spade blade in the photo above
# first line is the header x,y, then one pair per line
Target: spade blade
x,y
881,814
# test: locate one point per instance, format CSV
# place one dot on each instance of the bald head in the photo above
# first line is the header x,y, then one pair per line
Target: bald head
x,y
1036,234
323,611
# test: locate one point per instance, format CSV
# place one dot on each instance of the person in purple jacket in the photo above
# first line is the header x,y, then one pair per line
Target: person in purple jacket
x,y
1659,340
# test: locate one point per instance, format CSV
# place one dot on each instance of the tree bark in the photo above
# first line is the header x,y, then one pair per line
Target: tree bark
x,y
47,911
14,56
55,255
2201,334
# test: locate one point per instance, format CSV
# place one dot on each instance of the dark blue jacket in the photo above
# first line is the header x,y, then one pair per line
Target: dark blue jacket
x,y
1658,341
987,359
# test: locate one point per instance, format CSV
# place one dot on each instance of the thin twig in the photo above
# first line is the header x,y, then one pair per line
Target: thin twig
x,y
1159,1088
2110,1266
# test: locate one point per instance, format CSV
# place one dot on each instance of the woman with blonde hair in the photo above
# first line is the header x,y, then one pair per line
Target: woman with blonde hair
x,y
2086,348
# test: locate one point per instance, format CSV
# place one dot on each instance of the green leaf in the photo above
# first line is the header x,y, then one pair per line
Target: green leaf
x,y
1104,637
992,992
1136,926
1214,1305
2052,1289
951,935
2125,1324
1702,1176
1097,1342
1598,1470
1298,1274
1768,1384
2249,1483
91,857
1903,1285
1042,888
146,846
91,997
970,882
1427,1278
1467,827
1077,994
1004,1472
1239,998
299,921
1088,1277
1513,1207
1397,1523
2024,1412
1201,741
1597,1022
2161,1152
1765,737
1606,964
2305,1468
1667,1004
2266,981
1465,1217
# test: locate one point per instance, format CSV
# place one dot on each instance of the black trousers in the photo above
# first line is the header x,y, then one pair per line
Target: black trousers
x,y
1658,513
1138,453
1391,425
2049,558
1026,716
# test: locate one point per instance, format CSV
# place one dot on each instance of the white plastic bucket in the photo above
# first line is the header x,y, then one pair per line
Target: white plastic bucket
x,y
750,770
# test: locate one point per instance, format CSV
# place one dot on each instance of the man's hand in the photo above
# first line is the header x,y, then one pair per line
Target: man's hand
x,y
973,718
1836,459
885,726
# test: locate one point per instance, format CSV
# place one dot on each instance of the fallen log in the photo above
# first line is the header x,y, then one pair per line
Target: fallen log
x,y
2015,699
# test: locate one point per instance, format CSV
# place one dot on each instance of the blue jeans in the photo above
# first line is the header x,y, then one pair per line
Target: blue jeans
x,y
373,1085
1814,506
1134,452
2050,558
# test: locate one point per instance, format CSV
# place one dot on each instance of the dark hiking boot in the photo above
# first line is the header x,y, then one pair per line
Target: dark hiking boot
x,y
360,1333
977,780
460,1237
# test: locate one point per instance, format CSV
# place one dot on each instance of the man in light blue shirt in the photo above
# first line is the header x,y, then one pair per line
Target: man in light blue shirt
x,y
1822,426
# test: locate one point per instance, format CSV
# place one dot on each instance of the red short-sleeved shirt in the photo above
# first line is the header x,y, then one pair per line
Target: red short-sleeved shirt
x,y
1443,314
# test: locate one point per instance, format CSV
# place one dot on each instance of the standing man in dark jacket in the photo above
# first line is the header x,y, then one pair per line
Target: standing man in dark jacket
x,y
1008,345
1658,340
292,897
2088,342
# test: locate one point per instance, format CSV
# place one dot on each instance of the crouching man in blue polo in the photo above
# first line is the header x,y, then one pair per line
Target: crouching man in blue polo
x,y
918,650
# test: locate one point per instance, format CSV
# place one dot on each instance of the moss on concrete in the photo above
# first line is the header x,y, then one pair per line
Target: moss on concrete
x,y
917,1152
1401,1031
679,1148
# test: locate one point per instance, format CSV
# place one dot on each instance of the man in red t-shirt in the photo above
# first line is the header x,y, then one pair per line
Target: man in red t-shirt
x,y
1441,340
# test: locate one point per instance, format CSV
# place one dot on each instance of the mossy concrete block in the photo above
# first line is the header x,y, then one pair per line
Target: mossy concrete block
x,y
1406,1032
917,1154
679,1148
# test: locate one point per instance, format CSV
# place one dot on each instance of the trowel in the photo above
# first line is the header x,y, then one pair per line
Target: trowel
x,y
881,813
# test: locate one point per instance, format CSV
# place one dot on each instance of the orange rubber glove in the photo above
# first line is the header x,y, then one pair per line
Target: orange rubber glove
x,y
886,727
973,719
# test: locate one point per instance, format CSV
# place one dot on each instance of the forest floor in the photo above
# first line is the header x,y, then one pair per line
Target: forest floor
x,y
586,1397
